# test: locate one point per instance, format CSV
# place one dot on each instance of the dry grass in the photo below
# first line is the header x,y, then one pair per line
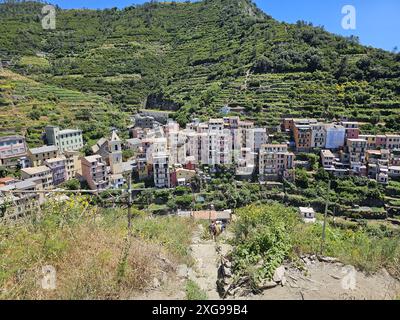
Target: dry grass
x,y
94,258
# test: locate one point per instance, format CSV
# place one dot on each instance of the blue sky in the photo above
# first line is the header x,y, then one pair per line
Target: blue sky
x,y
378,21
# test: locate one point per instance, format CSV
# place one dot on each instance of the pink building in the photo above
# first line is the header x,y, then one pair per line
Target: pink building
x,y
11,149
352,133
94,170
352,130
381,142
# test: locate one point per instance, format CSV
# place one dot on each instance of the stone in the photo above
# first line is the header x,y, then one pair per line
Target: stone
x,y
266,284
313,257
156,283
279,274
191,275
245,292
182,271
329,259
284,281
168,265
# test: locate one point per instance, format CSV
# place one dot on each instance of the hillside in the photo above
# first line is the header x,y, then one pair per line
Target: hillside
x,y
28,106
195,58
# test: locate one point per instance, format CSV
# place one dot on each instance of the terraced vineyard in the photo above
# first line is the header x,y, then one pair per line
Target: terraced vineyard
x,y
28,106
195,58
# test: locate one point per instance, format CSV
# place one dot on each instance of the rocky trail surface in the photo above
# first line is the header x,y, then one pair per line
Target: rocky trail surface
x,y
319,278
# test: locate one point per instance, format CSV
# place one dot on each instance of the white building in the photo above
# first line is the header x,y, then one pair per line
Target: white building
x,y
327,158
69,139
161,170
318,135
260,138
308,214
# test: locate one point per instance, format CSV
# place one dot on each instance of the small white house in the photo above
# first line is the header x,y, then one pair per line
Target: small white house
x,y
308,214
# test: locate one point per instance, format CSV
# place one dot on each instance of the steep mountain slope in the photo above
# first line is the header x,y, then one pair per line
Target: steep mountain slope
x,y
27,106
195,58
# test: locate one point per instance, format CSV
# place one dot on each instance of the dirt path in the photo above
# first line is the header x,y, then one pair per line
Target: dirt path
x,y
206,263
318,281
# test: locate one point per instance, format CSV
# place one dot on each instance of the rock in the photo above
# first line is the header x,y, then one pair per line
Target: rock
x,y
284,281
228,273
265,285
156,283
221,272
168,265
328,259
234,291
190,274
279,274
228,264
245,292
182,271
242,281
313,257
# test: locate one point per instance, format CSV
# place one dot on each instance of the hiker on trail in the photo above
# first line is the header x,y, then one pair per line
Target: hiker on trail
x,y
218,228
213,229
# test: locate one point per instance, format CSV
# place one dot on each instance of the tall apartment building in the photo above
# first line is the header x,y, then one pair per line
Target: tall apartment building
x,y
94,171
69,139
218,145
302,136
318,135
161,170
378,165
73,164
58,168
176,141
154,146
275,161
37,156
357,153
12,148
41,175
260,138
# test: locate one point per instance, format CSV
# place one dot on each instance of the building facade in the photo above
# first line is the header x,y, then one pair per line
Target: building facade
x,y
12,149
37,156
70,139
94,171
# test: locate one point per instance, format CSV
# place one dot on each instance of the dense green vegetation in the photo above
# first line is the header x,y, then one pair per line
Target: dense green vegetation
x,y
197,57
267,235
31,105
350,197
